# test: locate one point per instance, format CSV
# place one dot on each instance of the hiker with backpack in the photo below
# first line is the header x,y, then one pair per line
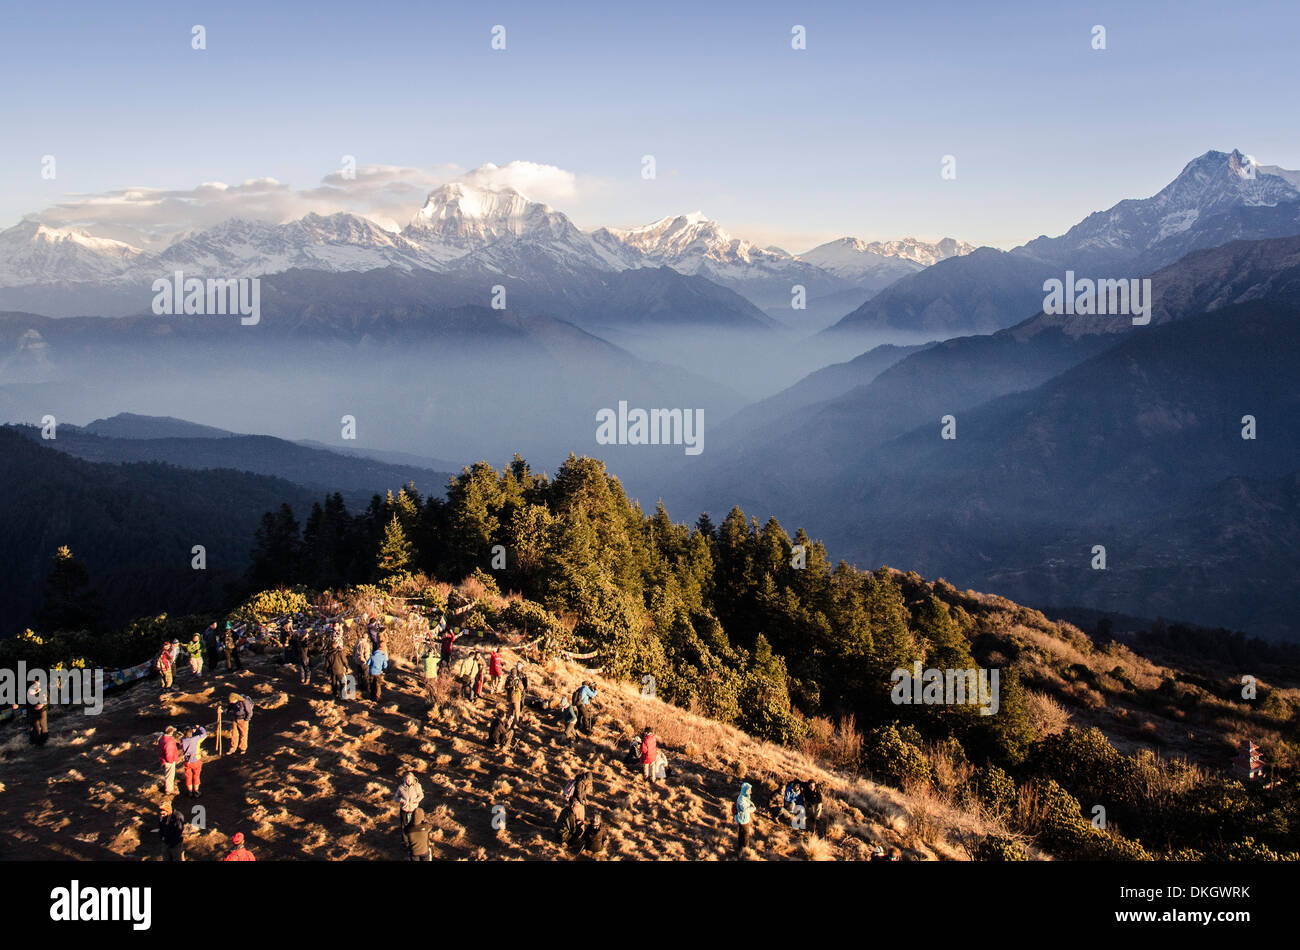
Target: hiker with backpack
x,y
169,753
581,714
515,695
742,812
192,751
240,711
375,667
448,645
164,665
649,754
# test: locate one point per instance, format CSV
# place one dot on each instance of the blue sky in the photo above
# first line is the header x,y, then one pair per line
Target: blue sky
x,y
781,146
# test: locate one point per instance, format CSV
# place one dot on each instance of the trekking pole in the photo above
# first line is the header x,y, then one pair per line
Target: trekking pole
x,y
218,732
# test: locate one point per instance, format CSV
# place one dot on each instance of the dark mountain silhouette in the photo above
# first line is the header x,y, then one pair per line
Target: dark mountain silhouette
x,y
133,526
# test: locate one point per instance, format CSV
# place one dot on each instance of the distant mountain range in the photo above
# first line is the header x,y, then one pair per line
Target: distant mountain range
x,y
459,381
1069,431
467,232
135,438
1217,198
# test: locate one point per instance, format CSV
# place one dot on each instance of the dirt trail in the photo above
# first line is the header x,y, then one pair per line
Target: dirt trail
x,y
318,779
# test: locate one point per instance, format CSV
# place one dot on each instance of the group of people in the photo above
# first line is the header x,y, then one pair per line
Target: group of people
x,y
579,827
183,748
202,652
801,803
173,829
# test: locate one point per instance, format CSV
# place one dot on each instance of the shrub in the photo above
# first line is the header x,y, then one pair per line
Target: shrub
x,y
894,760
997,791
1000,848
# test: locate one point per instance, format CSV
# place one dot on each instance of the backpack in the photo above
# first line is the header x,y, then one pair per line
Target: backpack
x,y
248,708
576,698
569,789
164,662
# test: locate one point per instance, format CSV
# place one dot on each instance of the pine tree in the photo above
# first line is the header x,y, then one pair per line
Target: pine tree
x,y
70,602
395,552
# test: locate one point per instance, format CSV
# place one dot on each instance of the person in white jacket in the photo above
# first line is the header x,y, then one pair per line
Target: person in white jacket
x,y
408,796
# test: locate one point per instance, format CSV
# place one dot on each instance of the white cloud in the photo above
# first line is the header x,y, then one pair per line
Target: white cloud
x,y
544,183
389,195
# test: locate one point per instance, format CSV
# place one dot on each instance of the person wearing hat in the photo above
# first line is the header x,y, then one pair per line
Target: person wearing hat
x,y
239,852
171,829
240,711
416,834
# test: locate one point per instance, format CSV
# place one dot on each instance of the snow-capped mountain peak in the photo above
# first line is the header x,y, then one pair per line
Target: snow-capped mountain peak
x,y
854,259
687,242
31,252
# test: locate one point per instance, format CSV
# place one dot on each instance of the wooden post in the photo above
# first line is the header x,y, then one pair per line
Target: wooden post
x,y
218,730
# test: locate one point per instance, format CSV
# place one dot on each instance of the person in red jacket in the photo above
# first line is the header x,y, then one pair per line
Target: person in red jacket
x,y
165,665
169,753
496,670
239,853
649,752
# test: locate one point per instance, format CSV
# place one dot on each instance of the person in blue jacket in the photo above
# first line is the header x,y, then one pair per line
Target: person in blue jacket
x,y
743,811
376,666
